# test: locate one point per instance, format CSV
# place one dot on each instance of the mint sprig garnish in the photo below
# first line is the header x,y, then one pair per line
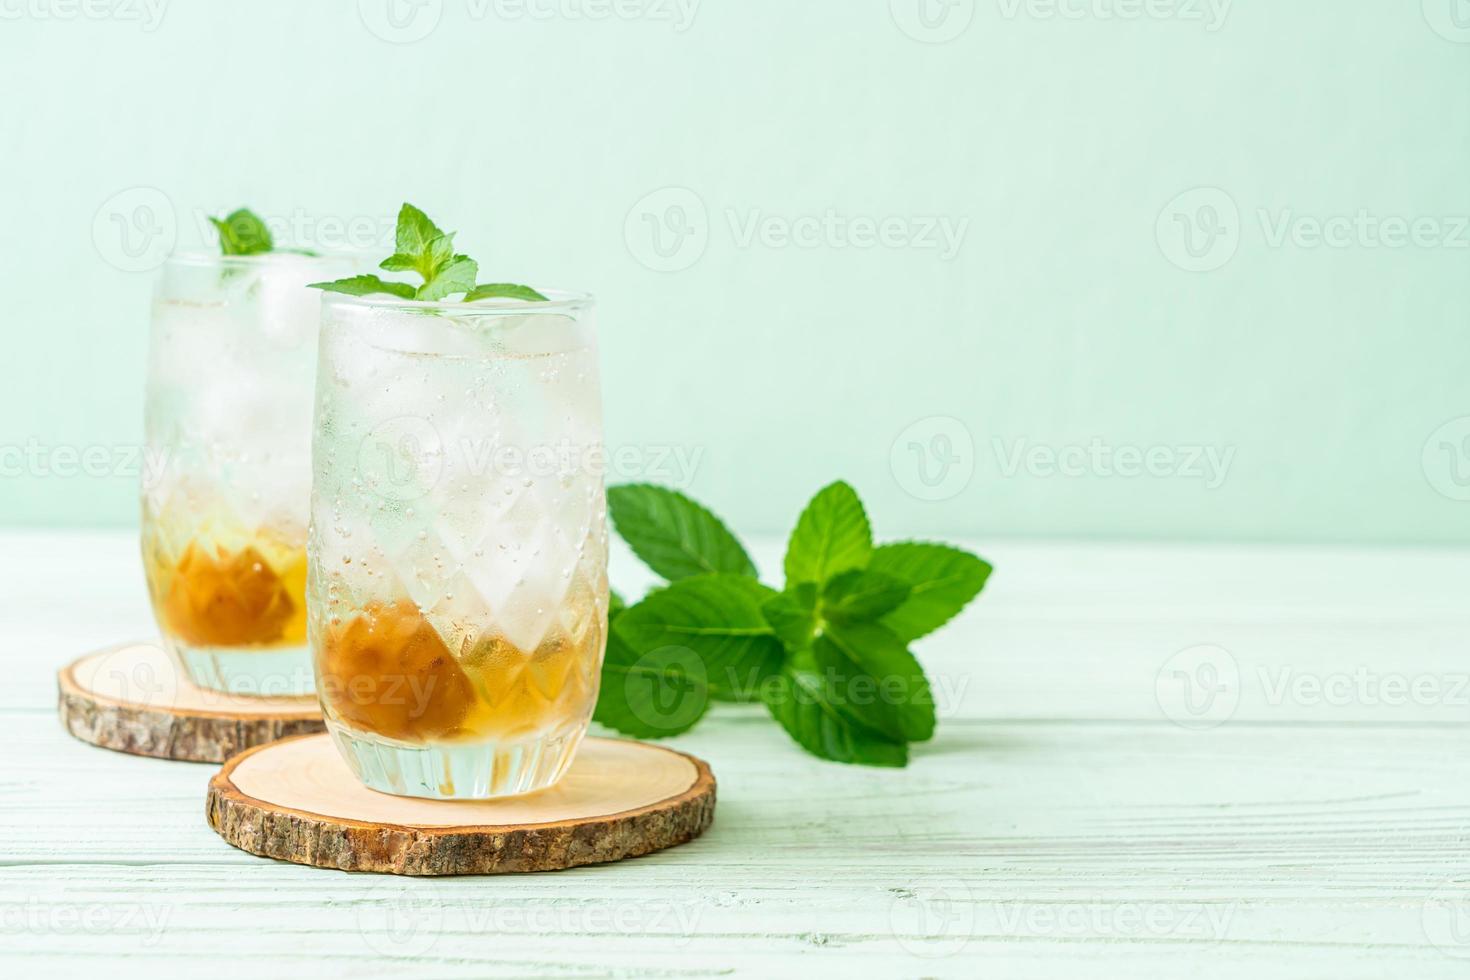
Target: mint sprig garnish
x,y
423,249
242,232
828,655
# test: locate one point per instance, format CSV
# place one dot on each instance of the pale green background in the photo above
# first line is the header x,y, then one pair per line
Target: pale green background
x,y
1059,320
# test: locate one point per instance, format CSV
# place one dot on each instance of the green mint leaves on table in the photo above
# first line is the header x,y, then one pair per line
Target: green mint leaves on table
x,y
241,232
828,655
422,249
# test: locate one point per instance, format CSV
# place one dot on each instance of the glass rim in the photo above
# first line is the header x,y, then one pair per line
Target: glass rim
x,y
203,259
557,301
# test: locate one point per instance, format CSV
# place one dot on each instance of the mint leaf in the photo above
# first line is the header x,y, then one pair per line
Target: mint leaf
x,y
862,595
942,580
503,290
803,699
885,688
832,536
672,534
241,232
651,695
716,618
615,604
455,276
366,285
414,232
398,262
423,248
793,616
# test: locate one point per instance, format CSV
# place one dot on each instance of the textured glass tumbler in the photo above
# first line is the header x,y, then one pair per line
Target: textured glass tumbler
x,y
457,593
227,468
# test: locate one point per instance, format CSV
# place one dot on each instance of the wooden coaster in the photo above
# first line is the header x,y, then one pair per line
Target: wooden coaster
x,y
134,698
297,801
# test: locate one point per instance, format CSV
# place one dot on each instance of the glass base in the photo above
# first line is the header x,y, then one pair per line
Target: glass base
x,y
459,770
278,672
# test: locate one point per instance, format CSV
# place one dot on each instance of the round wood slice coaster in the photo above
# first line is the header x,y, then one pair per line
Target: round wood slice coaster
x,y
297,801
134,698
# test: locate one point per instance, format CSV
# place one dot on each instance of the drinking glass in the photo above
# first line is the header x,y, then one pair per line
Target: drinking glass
x,y
227,475
457,587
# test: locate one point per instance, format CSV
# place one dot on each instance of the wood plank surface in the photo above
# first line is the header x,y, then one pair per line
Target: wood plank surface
x,y
1073,817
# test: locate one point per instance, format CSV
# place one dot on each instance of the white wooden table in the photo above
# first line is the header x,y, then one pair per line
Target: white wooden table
x,y
1151,761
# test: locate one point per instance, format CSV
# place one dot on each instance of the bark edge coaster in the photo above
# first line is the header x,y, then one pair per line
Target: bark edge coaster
x,y
297,801
133,698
